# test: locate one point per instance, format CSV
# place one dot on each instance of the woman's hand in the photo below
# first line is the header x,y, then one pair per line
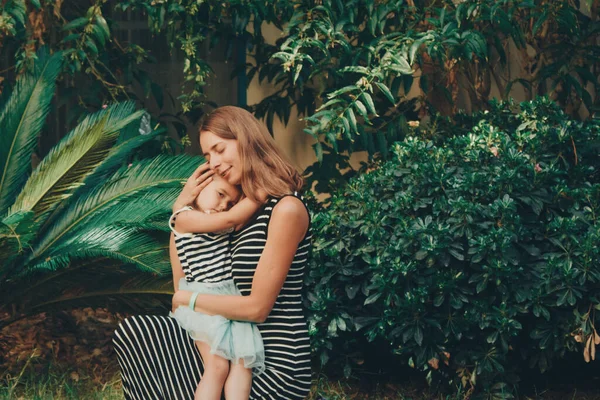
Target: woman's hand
x,y
182,298
201,177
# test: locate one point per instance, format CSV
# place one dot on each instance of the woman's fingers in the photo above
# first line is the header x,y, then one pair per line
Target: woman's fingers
x,y
202,178
201,186
200,170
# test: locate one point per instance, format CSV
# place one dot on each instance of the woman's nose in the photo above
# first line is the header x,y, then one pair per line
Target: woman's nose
x,y
214,163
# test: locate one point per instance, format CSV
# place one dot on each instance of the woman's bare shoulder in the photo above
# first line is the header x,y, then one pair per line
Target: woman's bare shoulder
x,y
292,212
290,205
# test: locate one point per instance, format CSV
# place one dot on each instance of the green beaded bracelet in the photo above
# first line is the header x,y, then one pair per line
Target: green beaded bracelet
x,y
193,300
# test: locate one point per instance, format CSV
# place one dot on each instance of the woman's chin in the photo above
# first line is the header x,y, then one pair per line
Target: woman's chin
x,y
233,179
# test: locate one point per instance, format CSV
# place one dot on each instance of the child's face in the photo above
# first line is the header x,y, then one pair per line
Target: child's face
x,y
218,196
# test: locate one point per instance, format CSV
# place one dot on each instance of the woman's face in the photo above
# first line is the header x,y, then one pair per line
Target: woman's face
x,y
222,156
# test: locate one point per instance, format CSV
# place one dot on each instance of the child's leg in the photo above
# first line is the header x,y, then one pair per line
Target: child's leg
x,y
239,381
216,370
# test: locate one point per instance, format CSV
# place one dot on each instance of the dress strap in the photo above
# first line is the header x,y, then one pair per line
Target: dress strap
x,y
172,222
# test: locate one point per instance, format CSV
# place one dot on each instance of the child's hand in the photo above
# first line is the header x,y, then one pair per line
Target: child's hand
x,y
201,177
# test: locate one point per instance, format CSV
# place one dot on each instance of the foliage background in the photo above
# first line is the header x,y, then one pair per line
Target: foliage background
x,y
472,254
361,74
355,70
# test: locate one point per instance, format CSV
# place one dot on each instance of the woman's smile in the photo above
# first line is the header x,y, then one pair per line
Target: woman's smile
x,y
222,156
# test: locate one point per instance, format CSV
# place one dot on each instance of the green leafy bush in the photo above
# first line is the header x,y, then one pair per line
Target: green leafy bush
x,y
472,253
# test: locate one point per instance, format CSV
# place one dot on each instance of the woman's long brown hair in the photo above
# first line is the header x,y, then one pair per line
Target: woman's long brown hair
x,y
264,166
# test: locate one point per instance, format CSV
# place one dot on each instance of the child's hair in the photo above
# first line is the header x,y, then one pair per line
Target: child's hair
x,y
263,165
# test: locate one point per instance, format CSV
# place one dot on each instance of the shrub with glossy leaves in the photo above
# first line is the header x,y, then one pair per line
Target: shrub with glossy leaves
x,y
471,254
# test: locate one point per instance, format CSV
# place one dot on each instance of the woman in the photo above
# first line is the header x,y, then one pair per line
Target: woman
x,y
158,359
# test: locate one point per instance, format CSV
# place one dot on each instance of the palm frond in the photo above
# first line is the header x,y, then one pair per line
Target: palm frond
x,y
142,127
16,232
157,222
21,119
128,245
156,181
136,299
75,157
90,282
150,205
61,171
118,156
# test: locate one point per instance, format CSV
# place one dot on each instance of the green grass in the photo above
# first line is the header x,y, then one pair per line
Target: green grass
x,y
59,384
329,389
59,387
54,381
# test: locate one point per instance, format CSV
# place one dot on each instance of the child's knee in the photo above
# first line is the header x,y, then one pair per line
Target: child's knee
x,y
219,366
240,367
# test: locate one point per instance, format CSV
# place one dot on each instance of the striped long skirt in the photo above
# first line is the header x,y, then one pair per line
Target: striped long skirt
x,y
158,359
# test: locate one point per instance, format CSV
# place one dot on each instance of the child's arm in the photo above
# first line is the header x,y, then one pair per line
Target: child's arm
x,y
192,221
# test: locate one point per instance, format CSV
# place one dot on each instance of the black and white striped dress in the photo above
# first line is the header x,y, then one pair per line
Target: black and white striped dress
x,y
204,257
159,361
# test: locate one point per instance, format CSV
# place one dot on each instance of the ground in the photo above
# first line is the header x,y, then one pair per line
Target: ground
x,y
69,355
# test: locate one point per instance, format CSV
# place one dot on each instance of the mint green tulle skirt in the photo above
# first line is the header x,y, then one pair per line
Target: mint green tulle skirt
x,y
232,340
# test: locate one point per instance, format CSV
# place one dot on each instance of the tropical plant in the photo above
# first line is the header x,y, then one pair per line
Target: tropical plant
x,y
471,254
114,68
349,66
87,222
346,66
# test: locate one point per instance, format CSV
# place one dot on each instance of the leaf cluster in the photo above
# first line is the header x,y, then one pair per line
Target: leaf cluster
x,y
87,224
472,253
361,61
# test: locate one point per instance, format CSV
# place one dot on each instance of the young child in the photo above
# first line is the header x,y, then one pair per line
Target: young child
x,y
231,350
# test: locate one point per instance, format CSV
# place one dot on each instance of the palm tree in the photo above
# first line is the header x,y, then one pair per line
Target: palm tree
x,y
85,225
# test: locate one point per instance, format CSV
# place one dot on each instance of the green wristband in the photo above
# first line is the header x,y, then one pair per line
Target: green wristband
x,y
193,300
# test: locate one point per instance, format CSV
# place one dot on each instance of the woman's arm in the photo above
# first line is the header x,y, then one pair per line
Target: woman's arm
x,y
287,228
192,221
175,264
